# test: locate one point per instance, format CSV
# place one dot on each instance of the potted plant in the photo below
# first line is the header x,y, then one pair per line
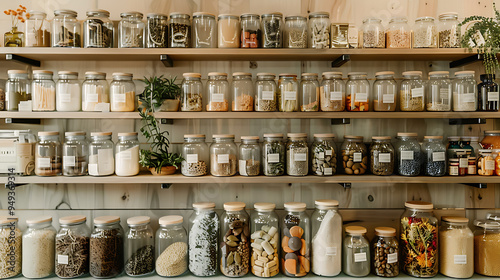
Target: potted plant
x,y
14,37
161,94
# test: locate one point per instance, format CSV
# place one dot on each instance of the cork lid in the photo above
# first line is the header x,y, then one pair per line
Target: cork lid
x,y
433,73
407,134
412,73
356,73
357,230
42,72
287,75
48,133
353,137
326,202
122,134
199,14
103,220
249,137
234,206
273,135
419,205
170,220
179,15
5,220
223,136
296,135
72,220
100,134
121,74
324,135
266,74
465,73
192,75
327,74
319,14
295,206
138,220
204,205
241,74
39,220
95,73
384,73
433,137
309,74
385,231
67,73
264,206
156,15
453,219
194,135
12,72
381,137
217,74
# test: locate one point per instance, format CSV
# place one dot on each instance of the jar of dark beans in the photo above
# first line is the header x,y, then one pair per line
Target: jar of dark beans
x,y
382,155
139,247
434,156
157,31
272,29
106,247
488,93
354,155
385,249
408,155
179,31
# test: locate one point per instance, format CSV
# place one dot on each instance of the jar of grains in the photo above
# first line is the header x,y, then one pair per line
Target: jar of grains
x,y
98,30
354,155
204,30
180,31
229,31
464,92
408,154
486,162
272,29
487,247
127,154
265,240
449,31
358,92
326,245
171,247
68,92
385,91
425,33
95,92
157,31
265,93
456,248
122,93
309,88
295,240
131,30
398,34
242,92
75,154
17,89
411,96
323,155
101,155
356,260
10,247
43,90
65,29
439,91
139,247
385,248
223,153
491,139
434,156
37,30
382,156
249,153
488,93
332,92
372,33
106,247
217,92
250,31
288,93
295,34
195,153
297,154
273,154
234,233
48,154
319,30
191,92
203,239
38,248
72,247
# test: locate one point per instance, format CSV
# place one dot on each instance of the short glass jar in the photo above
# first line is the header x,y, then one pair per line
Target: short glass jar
x,y
385,248
288,93
488,93
98,30
73,233
106,247
273,154
319,30
9,231
266,93
486,247
465,96
295,33
456,248
48,154
332,92
17,89
297,154
449,30
203,239
358,92
382,156
309,92
265,240
127,154
131,30
491,139
68,92
122,93
75,154
398,34
204,30
195,153
425,33
139,247
249,156
439,91
156,31
242,92
323,155
223,153
385,91
356,260
486,163
250,31
434,156
372,33
38,248
101,154
66,29
408,154
171,247
229,31
412,94
43,90
272,29
234,233
354,155
95,92
191,93
179,30
217,92
37,30
295,240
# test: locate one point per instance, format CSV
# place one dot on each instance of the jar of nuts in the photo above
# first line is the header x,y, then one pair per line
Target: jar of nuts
x,y
354,155
382,155
398,35
385,249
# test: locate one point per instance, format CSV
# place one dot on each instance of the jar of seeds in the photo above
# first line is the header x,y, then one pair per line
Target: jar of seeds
x,y
65,29
356,260
408,154
131,30
297,152
425,33
358,92
249,153
139,247
72,247
242,92
106,247
464,92
332,92
98,30
217,92
381,156
449,31
265,240
223,153
295,34
385,90
372,33
157,31
179,31
48,154
171,247
203,239
411,96
38,248
439,91
434,156
323,155
11,252
309,89
265,93
235,240
385,250
398,34
354,155
195,153
250,31
319,30
272,28
191,93
288,93
75,155
273,154
295,240
204,30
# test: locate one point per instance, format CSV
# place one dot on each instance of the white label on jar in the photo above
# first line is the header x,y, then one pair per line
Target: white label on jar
x,y
125,155
493,96
468,98
300,157
406,155
360,257
290,95
267,95
273,158
321,155
463,163
25,106
64,97
192,158
438,156
335,95
471,170
384,157
417,92
489,165
69,161
358,157
119,97
102,107
328,171
93,169
224,158
453,170
217,97
460,259
92,97
331,251
105,160
62,259
444,93
243,167
392,258
43,163
361,97
388,98
328,152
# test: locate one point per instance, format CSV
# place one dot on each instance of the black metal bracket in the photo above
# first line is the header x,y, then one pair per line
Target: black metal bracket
x,y
476,185
166,121
167,60
22,59
341,121
466,60
345,185
8,185
467,121
341,60
24,121
165,186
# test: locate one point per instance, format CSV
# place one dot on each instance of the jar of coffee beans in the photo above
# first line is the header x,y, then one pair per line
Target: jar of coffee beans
x,y
408,155
385,249
106,247
354,155
382,155
434,156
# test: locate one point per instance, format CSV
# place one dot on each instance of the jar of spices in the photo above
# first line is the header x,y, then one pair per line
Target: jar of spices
x,y
265,92
411,97
139,247
471,166
434,156
265,240
250,31
242,92
385,90
425,33
488,93
10,245
43,91
385,250
273,154
218,92
38,248
229,31
358,92
356,260
195,154
72,247
127,154
101,156
157,31
191,92
382,156
491,139
288,93
487,247
398,34
456,248
372,33
223,155
295,33
408,154
449,31
453,167
122,93
296,240
249,153
37,30
180,31
439,91
17,89
106,247
66,29
203,239
75,154
204,30
95,92
326,245
464,92
309,90
297,154
319,30
68,92
131,30
332,92
48,154
354,155
271,26
234,233
324,155
98,30
171,247
486,163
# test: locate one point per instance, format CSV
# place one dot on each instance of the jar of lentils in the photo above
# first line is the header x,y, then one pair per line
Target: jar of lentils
x,y
434,156
319,30
354,155
288,93
439,91
249,156
295,34
408,154
273,154
425,33
398,34
382,156
309,87
411,96
191,93
242,92
358,92
195,153
385,252
385,91
217,92
372,33
332,92
265,93
323,155
297,152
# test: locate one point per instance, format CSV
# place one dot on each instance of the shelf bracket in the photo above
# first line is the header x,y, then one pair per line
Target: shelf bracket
x,y
466,121
166,121
166,60
7,186
22,59
341,60
345,185
466,60
476,185
340,121
23,121
165,186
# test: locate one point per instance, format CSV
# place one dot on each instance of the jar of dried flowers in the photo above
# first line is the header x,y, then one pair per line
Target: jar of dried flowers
x,y
15,38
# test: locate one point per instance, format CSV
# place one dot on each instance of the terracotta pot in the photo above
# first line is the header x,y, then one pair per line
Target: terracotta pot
x,y
169,105
166,170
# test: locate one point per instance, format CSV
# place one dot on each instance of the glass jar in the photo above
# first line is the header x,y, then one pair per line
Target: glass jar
x,y
106,247
398,34
453,146
131,30
434,156
37,30
297,154
456,248
127,154
68,92
273,154
385,90
309,91
217,92
98,30
43,91
411,97
488,93
66,29
75,154
465,144
191,93
319,30
48,154
471,166
372,33
157,31
464,92
95,92
242,92
332,92
139,247
449,30
326,245
296,240
234,233
416,250
249,156
491,139
487,247
453,167
203,236
195,154
180,31
354,155
250,31
229,31
358,92
122,93
288,93
382,156
223,155
204,30
171,247
385,248
439,91
101,156
265,240
74,233
265,92
356,260
408,154
11,245
271,26
323,155
17,89
486,163
425,33
295,33
38,248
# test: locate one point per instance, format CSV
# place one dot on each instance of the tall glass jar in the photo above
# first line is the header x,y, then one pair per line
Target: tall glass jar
x,y
75,154
382,156
204,30
265,93
250,31
408,154
217,92
203,239
319,30
191,92
98,30
332,92
297,154
106,247
249,156
171,247
295,240
72,247
449,31
43,91
229,31
11,245
127,154
398,34
419,252
223,153
122,93
66,29
295,33
272,28
354,155
101,156
439,91
179,31
273,154
356,260
358,92
456,248
309,91
385,90
242,92
234,237
68,92
37,30
372,33
464,92
195,153
139,249
488,93
323,155
157,31
17,89
288,93
411,96
425,33
48,154
434,156
265,240
326,245
487,247
95,92
131,30
38,247
385,250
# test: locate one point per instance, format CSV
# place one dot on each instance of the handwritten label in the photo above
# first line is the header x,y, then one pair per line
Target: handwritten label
x,y
463,163
493,96
468,98
321,155
267,95
361,97
392,258
328,171
119,97
489,165
406,155
290,95
92,97
460,259
331,251
43,162
62,259
300,157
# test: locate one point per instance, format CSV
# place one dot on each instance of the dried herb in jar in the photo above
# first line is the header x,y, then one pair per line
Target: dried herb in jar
x,y
106,253
141,262
72,252
419,247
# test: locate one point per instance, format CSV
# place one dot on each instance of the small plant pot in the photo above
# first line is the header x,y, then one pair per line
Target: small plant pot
x,y
169,105
166,170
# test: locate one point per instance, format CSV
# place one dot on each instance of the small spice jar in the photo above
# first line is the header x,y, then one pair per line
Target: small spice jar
x,y
297,154
72,247
295,240
37,30
425,33
408,154
229,31
250,31
265,93
434,156
319,30
272,28
273,154
385,250
48,154
385,91
65,29
223,152
487,247
106,247
295,33
179,31
332,92
191,92
17,89
101,156
372,33
38,248
464,92
356,252
242,92
10,246
131,30
398,34
139,247
203,239
195,153
249,156
471,165
491,139
288,93
453,167
68,92
98,30
157,31
354,155
204,30
488,93
218,92
309,91
75,154
456,248
265,240
43,91
453,146
411,96
486,162
95,92
171,247
358,92
382,156
439,91
323,155
234,234
449,31
127,154
122,93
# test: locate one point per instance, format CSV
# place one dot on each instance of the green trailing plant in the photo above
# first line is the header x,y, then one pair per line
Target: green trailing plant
x,y
157,90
